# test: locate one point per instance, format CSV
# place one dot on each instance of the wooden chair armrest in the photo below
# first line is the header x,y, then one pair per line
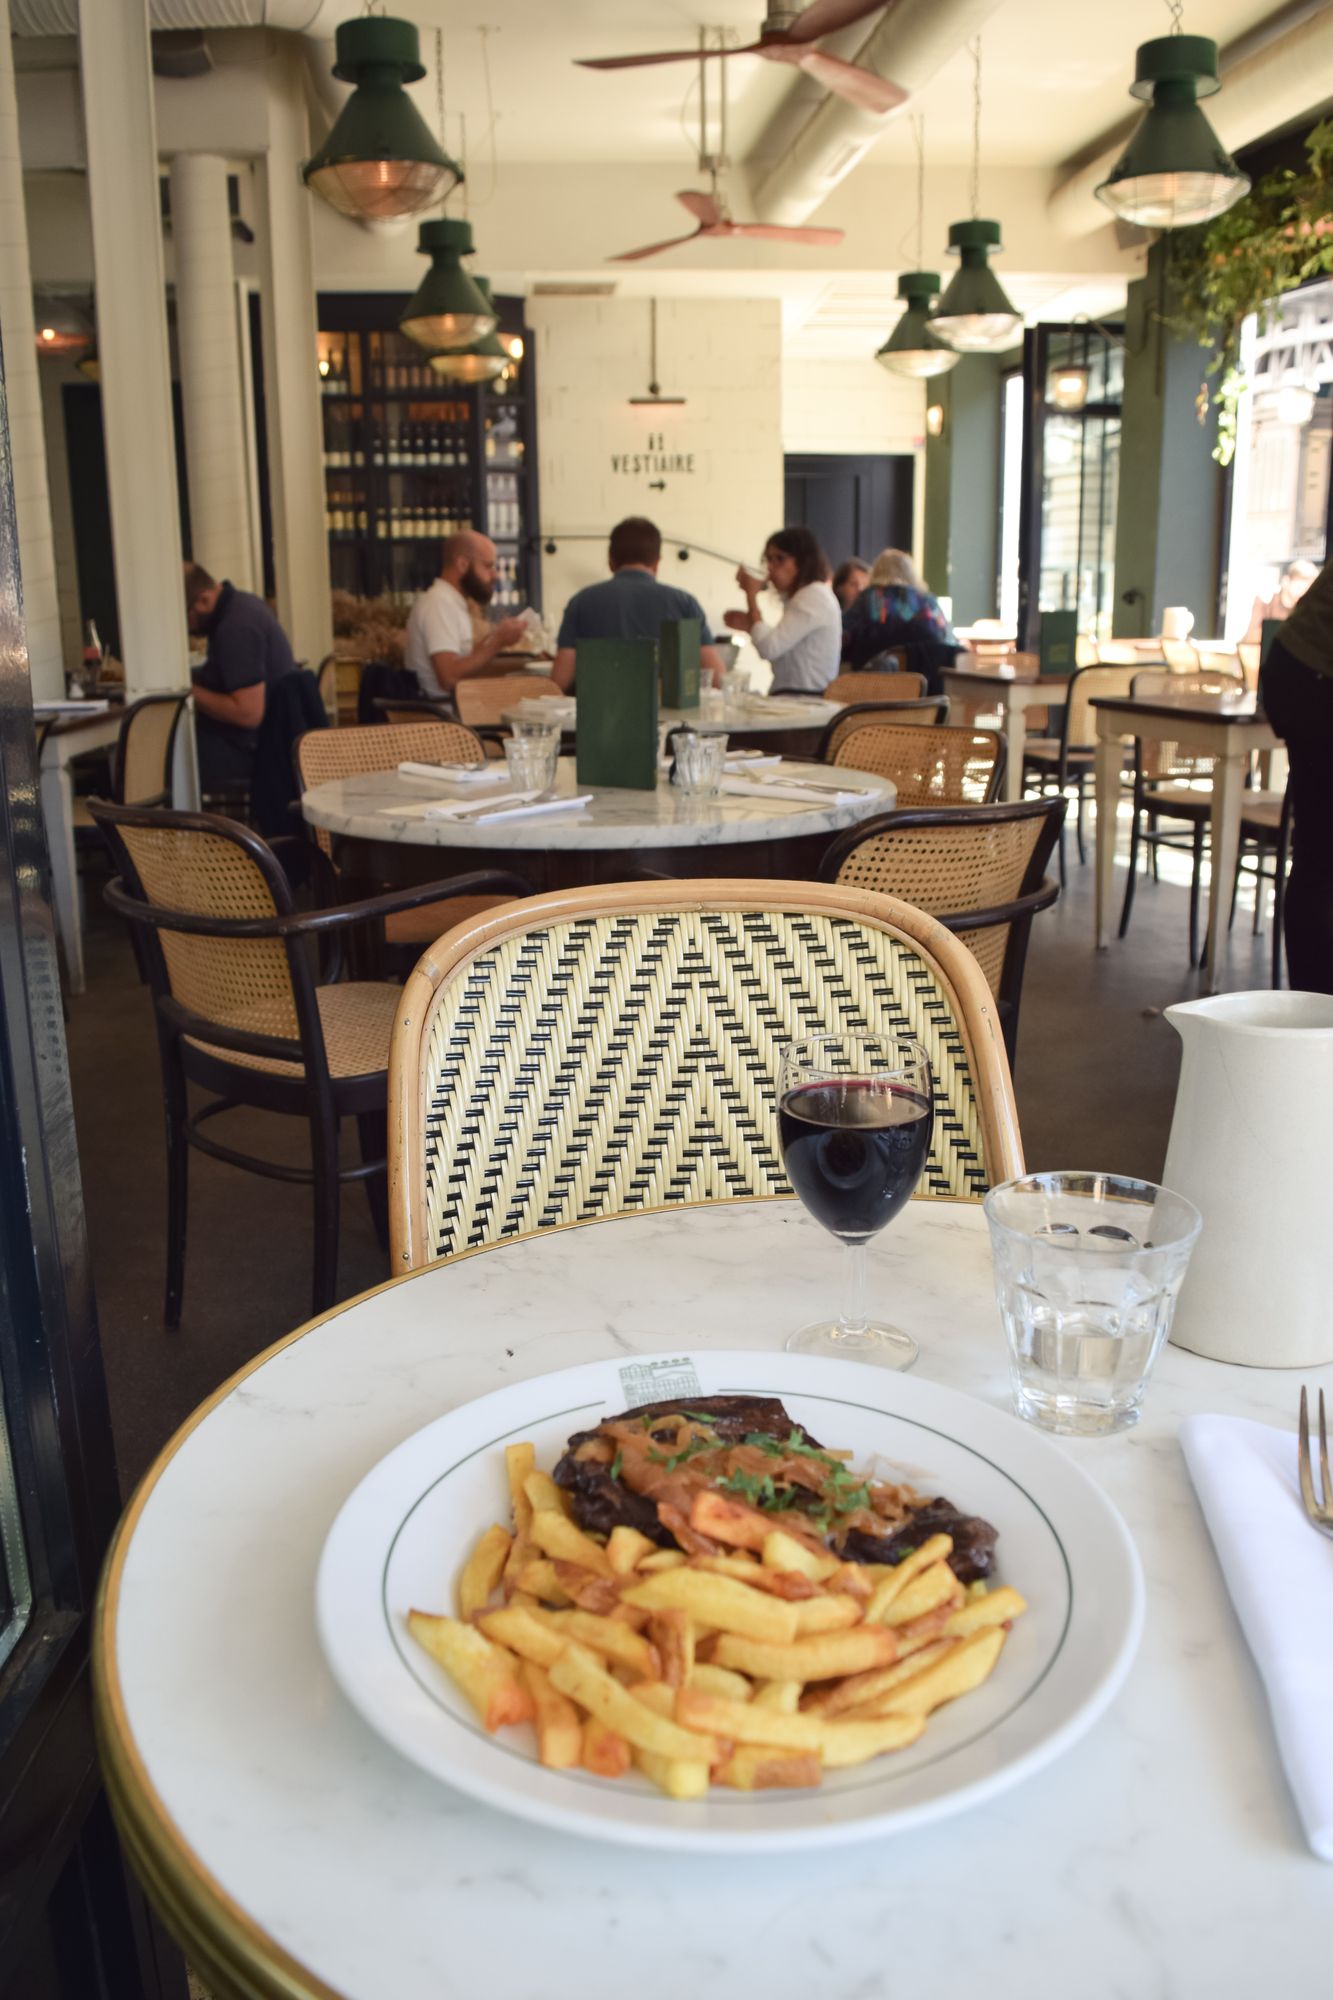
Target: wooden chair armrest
x,y
481,882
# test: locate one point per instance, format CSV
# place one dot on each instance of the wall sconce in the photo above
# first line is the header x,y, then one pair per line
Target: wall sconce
x,y
935,420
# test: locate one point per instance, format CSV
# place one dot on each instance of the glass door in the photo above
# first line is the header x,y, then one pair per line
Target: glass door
x,y
1073,387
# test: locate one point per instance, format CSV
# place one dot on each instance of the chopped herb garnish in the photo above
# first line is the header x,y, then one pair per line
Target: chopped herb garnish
x,y
847,1503
902,1555
691,1450
616,1464
763,1442
694,1417
800,1450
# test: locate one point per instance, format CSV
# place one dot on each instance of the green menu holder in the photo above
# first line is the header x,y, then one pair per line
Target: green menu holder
x,y
617,695
1059,633
678,654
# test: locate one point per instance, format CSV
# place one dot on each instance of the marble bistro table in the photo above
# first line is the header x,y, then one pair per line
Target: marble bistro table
x,y
376,823
791,725
295,1854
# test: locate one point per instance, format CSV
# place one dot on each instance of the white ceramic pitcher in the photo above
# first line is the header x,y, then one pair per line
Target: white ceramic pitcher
x,y
1252,1147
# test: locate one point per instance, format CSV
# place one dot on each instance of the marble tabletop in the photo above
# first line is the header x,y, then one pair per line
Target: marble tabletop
x,y
364,808
755,715
1160,1855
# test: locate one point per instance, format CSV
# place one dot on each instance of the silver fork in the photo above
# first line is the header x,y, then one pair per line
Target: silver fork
x,y
1320,1512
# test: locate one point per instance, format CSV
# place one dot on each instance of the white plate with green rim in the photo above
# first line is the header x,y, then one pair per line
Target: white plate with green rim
x,y
402,1537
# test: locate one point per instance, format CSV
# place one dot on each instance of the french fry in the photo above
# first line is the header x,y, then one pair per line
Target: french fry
x,y
626,1548
859,1689
935,1586
605,1751
543,1495
664,1559
538,1578
851,1578
838,1743
788,1583
556,1535
487,1673
521,1553
588,1588
672,1633
559,1729
964,1667
934,1549
678,1777
719,1681
785,1552
827,1614
718,1601
520,1461
753,1767
784,1696
523,1633
857,1742
996,1608
725,1520
577,1674
608,1637
825,1657
483,1569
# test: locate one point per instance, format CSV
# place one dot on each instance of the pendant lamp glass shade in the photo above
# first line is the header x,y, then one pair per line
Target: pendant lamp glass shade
x,y
61,328
1175,170
912,349
1067,385
976,315
481,362
447,310
380,160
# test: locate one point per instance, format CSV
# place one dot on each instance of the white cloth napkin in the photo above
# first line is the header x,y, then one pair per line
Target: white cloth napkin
x,y
455,774
773,704
1279,1571
507,805
762,787
751,760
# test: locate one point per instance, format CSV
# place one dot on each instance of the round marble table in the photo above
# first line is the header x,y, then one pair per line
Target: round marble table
x,y
376,822
295,1854
788,725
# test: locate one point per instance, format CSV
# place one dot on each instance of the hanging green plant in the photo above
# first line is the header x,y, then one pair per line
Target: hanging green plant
x,y
1276,237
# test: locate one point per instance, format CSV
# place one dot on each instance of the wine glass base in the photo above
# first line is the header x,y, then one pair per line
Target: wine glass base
x,y
887,1346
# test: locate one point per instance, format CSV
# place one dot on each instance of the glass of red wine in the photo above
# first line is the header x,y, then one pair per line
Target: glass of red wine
x,y
855,1114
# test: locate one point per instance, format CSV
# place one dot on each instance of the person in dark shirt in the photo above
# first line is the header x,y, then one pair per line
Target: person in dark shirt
x,y
247,651
896,610
631,604
1296,687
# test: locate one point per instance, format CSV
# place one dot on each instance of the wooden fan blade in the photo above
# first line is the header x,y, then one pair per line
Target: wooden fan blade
x,y
702,206
857,86
652,249
778,232
665,56
825,17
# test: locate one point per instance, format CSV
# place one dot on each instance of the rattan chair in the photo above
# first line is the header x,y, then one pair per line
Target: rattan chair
x,y
616,1048
980,870
141,760
1064,762
240,1015
325,754
483,699
931,764
920,711
863,687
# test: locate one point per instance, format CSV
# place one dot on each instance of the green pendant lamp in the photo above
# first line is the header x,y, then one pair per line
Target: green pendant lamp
x,y
912,349
380,161
976,315
1175,170
483,361
447,310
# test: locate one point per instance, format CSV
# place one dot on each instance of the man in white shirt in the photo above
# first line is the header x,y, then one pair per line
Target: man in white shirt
x,y
441,648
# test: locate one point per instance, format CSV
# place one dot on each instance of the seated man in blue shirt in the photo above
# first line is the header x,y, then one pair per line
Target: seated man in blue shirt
x,y
631,604
247,649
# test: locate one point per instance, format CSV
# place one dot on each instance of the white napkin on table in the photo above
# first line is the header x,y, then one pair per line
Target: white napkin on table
x,y
506,805
762,787
455,774
751,760
1279,1571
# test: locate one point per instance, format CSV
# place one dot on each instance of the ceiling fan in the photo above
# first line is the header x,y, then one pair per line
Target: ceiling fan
x,y
711,210
787,36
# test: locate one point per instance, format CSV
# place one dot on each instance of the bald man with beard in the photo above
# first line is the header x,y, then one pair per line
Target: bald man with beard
x,y
441,648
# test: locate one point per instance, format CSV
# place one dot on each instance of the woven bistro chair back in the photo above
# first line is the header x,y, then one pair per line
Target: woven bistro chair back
x,y
580,1055
145,747
1166,762
932,765
481,700
957,863
919,712
325,754
876,687
1085,684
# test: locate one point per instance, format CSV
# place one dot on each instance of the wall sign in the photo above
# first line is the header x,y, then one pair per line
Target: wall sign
x,y
654,458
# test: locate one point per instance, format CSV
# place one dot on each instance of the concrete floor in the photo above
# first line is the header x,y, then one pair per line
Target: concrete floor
x,y
1096,1075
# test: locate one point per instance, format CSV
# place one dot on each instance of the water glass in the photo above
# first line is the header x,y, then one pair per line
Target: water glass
x,y
531,760
1087,1271
700,761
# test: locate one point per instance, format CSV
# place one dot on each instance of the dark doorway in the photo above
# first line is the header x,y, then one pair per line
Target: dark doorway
x,y
856,506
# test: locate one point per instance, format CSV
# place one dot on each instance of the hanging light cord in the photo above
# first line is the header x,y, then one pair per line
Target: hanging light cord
x,y
976,127
439,105
492,116
919,139
1175,8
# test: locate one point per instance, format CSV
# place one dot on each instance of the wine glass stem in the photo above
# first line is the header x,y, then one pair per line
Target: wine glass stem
x,y
853,1316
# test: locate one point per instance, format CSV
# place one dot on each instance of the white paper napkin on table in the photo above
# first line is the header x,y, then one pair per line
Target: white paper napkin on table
x,y
762,786
1279,1571
751,760
506,805
455,774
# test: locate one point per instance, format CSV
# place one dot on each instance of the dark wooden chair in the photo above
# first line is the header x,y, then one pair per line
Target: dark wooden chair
x,y
1065,762
241,1015
981,870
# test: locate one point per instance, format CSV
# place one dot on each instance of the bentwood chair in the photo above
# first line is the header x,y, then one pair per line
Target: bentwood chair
x,y
483,699
1065,762
862,687
1265,828
981,870
931,764
920,711
615,1048
240,1014
141,760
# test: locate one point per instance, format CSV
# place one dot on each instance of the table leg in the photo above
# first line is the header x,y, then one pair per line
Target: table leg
x,y
1228,787
1015,731
1110,757
57,793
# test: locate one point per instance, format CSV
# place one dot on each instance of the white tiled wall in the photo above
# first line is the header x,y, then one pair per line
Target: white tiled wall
x,y
725,358
850,406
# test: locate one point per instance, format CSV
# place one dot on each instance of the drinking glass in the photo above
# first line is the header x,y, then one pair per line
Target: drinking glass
x,y
531,761
1087,1271
700,760
855,1114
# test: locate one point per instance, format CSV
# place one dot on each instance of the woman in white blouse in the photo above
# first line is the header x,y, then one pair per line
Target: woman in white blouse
x,y
805,646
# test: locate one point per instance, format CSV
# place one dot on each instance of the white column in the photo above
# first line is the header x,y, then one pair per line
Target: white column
x,y
23,395
291,380
116,68
210,369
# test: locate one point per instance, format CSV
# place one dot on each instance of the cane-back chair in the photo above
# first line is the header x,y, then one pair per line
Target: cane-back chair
x,y
981,870
932,765
861,687
616,1048
141,760
240,1014
483,698
919,711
